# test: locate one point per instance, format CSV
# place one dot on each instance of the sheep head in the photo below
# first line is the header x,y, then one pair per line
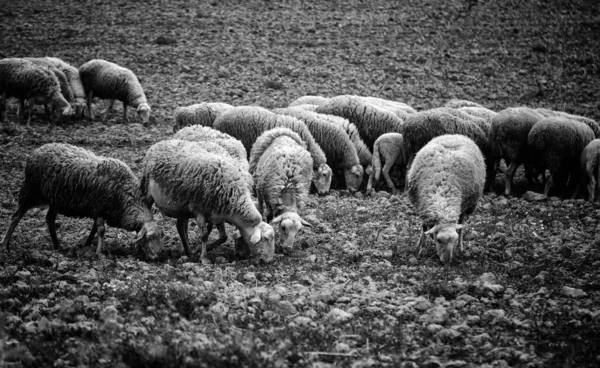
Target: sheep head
x,y
322,179
149,240
369,170
143,110
446,238
79,106
260,241
289,223
353,177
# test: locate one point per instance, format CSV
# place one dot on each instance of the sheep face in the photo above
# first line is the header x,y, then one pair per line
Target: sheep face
x,y
446,238
353,177
144,112
289,223
149,240
322,179
262,242
79,106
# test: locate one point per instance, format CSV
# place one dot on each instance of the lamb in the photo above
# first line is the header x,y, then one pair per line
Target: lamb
x,y
309,99
389,149
589,163
246,123
582,119
25,80
458,103
370,120
282,169
555,144
203,113
508,140
340,152
445,183
75,182
74,79
106,80
186,181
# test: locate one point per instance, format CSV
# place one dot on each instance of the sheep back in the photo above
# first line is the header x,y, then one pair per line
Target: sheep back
x,y
309,99
203,113
458,103
582,119
508,133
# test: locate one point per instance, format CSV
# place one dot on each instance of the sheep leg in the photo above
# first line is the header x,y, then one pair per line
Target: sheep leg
x,y
422,240
222,237
90,238
510,172
209,227
30,105
90,97
387,167
110,105
100,229
124,112
16,217
2,106
49,113
411,158
201,221
491,174
549,183
182,229
592,188
51,222
461,220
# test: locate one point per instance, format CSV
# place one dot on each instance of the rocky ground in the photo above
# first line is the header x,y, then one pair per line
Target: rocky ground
x,y
524,293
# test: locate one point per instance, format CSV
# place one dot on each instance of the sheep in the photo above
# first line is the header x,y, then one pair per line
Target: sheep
x,y
458,103
106,80
371,121
203,113
589,163
74,79
508,140
389,149
65,88
340,152
282,170
445,183
23,79
75,182
309,99
555,144
246,123
582,119
186,181
482,123
480,112
399,108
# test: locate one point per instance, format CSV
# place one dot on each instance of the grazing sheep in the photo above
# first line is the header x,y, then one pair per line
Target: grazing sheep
x,y
186,181
74,79
335,142
457,103
589,163
445,183
282,170
75,182
25,80
309,99
106,80
508,140
547,113
247,123
555,144
389,149
423,126
203,113
371,121
65,87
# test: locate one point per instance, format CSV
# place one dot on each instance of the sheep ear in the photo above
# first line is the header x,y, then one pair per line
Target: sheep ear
x,y
305,223
277,219
255,237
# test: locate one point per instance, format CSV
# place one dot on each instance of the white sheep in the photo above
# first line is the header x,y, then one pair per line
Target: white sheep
x,y
106,80
23,79
589,163
186,181
75,182
282,170
203,113
388,148
445,182
247,123
334,141
74,79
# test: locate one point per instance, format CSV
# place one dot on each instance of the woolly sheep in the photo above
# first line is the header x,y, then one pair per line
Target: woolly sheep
x,y
23,79
399,108
74,79
508,140
555,144
246,123
340,152
65,87
309,107
480,112
371,121
582,119
203,113
589,163
458,103
75,182
309,99
282,170
445,183
106,80
389,149
423,126
185,181
482,123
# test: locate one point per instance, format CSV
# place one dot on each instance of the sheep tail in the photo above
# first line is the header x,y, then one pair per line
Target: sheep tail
x,y
376,161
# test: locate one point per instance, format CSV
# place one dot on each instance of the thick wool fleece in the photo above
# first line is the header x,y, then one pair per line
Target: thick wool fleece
x,y
73,77
508,133
389,148
547,113
364,153
65,87
309,100
203,113
457,103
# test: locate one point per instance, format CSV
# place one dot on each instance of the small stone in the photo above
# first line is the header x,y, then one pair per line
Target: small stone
x,y
337,315
423,305
466,297
437,315
285,308
312,258
501,201
250,277
434,328
541,277
493,315
533,196
302,321
342,347
23,274
413,261
361,209
572,292
448,334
